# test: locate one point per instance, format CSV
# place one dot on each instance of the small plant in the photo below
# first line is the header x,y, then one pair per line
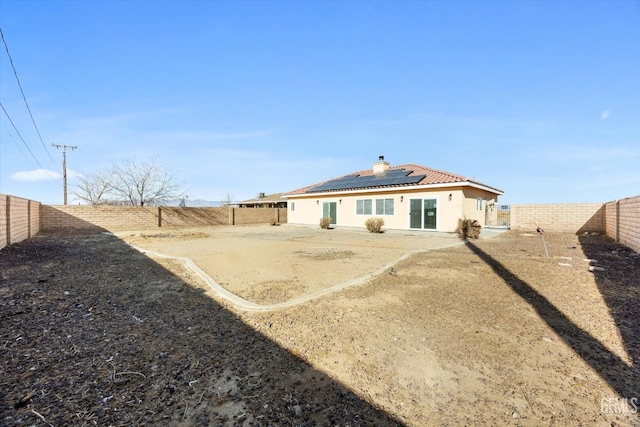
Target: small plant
x,y
374,225
469,229
325,222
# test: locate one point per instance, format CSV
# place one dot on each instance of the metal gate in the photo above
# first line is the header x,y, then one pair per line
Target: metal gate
x,y
497,215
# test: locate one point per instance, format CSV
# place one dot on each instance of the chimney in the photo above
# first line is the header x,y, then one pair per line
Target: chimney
x,y
260,196
380,167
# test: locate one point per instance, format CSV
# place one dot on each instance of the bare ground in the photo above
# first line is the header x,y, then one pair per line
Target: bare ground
x,y
491,332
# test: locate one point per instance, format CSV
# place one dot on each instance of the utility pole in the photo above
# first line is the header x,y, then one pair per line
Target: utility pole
x,y
64,165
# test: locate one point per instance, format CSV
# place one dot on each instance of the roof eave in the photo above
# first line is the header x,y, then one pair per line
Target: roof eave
x,y
396,188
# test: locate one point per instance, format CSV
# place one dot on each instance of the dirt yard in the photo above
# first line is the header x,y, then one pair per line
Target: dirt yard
x,y
268,265
93,332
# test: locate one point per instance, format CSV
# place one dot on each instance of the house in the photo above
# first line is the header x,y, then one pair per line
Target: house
x,y
407,197
265,201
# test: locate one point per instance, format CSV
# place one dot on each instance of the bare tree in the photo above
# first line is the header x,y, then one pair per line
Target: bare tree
x,y
131,183
144,183
228,199
95,189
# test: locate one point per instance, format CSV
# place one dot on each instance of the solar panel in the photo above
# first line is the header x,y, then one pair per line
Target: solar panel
x,y
392,177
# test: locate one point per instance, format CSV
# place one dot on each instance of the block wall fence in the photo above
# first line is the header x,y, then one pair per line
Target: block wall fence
x,y
623,221
21,218
619,219
119,218
569,217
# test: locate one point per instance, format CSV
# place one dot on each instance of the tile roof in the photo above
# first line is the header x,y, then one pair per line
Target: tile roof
x,y
431,177
275,197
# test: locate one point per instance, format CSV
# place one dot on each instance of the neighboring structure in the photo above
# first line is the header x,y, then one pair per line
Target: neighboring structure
x,y
265,201
407,197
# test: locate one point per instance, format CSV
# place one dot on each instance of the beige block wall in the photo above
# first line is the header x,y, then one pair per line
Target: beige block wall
x,y
4,230
34,212
244,216
611,219
119,218
19,219
573,218
625,228
180,217
75,218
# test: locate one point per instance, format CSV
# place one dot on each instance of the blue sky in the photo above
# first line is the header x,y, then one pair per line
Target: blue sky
x,y
538,98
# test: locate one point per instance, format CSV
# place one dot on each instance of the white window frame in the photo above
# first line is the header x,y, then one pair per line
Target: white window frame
x,y
361,207
385,208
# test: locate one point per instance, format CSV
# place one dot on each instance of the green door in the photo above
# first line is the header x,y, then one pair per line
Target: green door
x,y
422,214
329,210
430,214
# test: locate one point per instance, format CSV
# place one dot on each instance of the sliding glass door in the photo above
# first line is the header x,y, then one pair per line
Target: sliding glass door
x,y
423,214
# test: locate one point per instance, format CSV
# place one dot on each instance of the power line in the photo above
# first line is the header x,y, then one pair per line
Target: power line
x,y
23,141
21,150
15,73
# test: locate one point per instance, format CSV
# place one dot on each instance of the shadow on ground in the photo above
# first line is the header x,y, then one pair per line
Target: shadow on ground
x,y
620,289
95,333
623,304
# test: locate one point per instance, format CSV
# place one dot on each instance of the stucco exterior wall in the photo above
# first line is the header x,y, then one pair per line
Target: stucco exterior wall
x,y
449,210
471,209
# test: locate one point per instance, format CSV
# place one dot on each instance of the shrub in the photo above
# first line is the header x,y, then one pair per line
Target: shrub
x,y
374,225
469,228
325,222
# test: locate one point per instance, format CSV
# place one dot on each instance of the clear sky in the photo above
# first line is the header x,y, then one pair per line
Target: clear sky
x,y
538,98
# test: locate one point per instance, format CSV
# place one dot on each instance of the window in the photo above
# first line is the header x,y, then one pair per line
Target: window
x,y
479,203
363,207
379,206
293,206
384,206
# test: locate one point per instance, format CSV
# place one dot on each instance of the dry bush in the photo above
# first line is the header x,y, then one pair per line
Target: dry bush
x,y
325,222
374,225
469,228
